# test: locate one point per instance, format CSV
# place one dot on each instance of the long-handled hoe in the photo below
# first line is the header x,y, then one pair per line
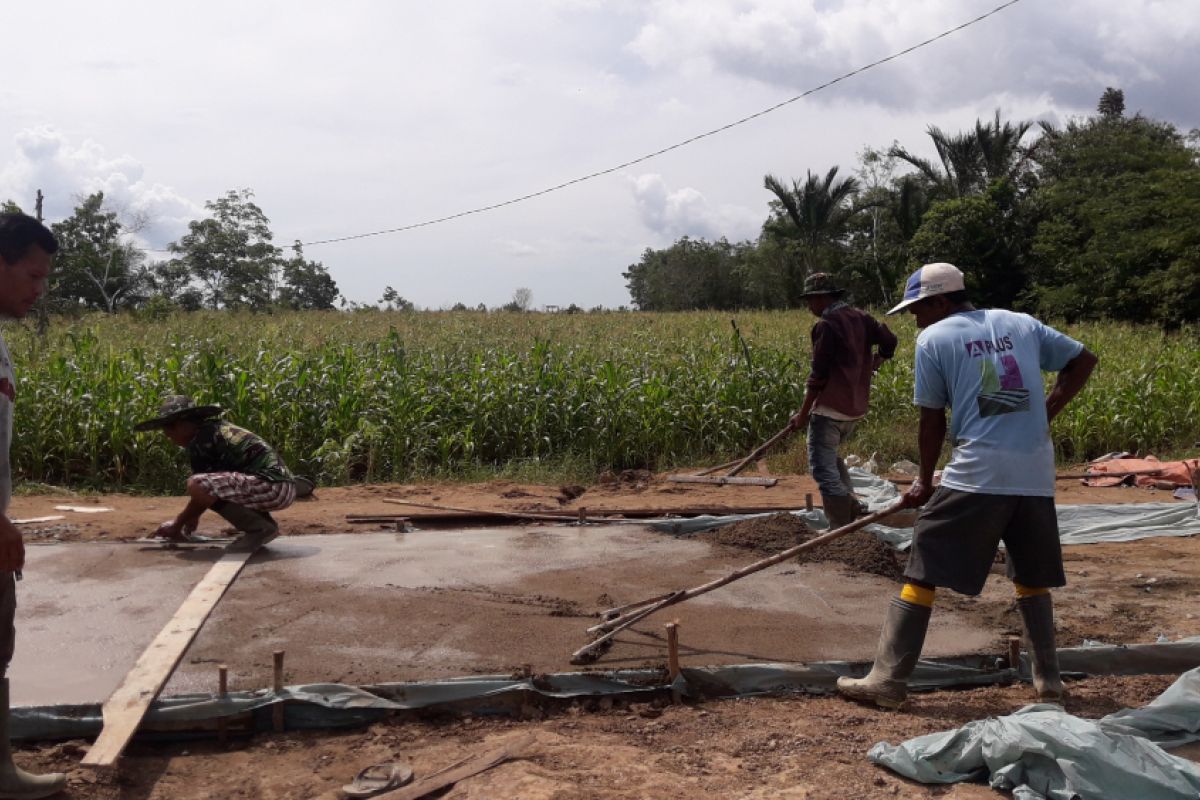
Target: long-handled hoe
x,y
619,618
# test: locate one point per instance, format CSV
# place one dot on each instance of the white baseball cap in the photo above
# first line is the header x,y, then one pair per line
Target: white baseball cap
x,y
928,281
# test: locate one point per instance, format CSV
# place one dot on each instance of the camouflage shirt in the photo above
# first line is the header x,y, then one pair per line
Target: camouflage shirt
x,y
220,446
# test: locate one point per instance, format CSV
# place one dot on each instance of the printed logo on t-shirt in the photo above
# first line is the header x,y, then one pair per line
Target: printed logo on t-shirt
x,y
1003,391
8,390
983,347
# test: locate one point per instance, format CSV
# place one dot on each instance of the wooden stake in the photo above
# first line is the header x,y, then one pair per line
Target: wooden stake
x,y
587,653
1014,652
672,650
277,709
808,503
222,693
124,709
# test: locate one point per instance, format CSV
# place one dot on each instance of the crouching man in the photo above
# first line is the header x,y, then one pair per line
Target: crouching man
x,y
986,366
234,473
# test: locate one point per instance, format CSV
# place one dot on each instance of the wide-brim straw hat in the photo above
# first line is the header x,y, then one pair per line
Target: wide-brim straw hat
x,y
821,283
177,407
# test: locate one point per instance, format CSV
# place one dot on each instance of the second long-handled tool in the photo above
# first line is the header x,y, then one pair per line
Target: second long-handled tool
x,y
633,613
731,477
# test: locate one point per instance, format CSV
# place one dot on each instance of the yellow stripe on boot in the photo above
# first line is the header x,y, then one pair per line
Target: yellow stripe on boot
x,y
1028,591
917,595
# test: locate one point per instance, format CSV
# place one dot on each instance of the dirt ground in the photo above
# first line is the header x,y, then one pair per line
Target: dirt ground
x,y
803,748
793,747
134,517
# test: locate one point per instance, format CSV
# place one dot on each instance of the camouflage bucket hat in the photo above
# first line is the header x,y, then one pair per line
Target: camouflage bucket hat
x,y
821,283
177,407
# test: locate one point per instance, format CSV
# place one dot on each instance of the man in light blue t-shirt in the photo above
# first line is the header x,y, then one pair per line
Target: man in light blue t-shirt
x,y
985,366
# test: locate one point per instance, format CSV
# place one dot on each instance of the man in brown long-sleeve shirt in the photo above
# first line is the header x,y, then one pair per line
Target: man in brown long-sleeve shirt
x,y
848,346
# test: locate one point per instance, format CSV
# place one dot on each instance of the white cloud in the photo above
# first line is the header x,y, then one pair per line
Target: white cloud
x,y
366,116
686,212
66,172
519,249
1073,48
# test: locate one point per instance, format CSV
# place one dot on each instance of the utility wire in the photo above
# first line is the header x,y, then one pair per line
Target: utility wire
x,y
677,146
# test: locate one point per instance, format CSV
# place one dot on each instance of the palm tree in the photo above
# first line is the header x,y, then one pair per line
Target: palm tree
x,y
818,210
958,173
972,160
1000,151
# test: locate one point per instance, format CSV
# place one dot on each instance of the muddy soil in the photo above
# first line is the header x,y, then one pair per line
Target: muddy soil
x,y
858,552
763,748
810,748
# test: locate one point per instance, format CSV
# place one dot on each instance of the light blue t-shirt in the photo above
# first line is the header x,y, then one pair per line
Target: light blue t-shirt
x,y
986,366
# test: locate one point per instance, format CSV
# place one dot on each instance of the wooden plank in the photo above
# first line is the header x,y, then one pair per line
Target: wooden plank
x,y
125,708
1065,476
722,480
461,770
440,514
505,514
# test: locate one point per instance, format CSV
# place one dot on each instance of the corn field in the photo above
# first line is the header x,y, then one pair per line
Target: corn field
x,y
382,396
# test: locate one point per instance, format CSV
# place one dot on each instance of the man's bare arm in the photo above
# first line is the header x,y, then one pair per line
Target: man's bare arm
x,y
12,546
800,419
930,436
1071,379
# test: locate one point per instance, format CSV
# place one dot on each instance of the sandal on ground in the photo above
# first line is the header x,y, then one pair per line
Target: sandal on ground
x,y
379,778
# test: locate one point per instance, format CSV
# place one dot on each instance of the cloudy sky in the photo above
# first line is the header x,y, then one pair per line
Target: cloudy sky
x,y
364,115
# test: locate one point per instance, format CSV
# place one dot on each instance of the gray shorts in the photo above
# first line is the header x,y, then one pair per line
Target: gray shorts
x,y
957,534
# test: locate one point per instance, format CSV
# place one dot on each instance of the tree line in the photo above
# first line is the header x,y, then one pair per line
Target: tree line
x,y
226,260
1092,220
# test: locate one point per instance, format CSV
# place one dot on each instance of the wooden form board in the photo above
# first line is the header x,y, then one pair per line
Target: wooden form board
x,y
723,480
124,709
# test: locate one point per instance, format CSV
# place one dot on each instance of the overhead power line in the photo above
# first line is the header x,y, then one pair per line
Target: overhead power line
x,y
623,165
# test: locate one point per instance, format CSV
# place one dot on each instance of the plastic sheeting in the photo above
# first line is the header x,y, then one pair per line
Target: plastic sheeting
x,y
333,705
1081,524
1043,753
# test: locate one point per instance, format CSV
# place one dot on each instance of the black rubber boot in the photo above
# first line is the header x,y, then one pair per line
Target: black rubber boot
x,y
16,783
839,509
257,527
899,649
1037,612
844,473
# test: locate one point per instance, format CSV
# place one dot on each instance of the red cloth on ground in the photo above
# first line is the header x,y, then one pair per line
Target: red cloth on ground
x,y
1178,473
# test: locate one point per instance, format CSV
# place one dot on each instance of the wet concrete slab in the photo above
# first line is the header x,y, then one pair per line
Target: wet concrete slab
x,y
85,612
365,608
